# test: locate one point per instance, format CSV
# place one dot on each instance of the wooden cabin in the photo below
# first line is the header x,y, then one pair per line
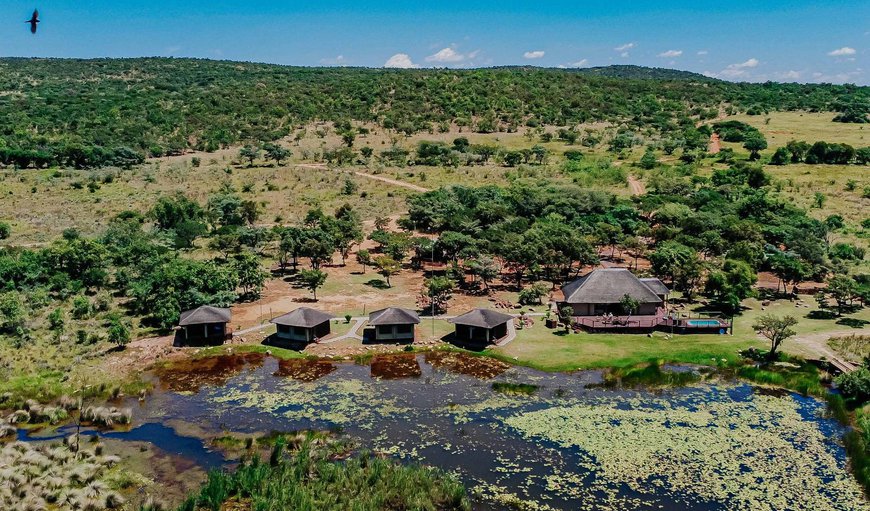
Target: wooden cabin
x,y
304,325
205,325
481,326
393,324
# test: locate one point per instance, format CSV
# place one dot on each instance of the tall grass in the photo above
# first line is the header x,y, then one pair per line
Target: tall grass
x,y
649,375
804,380
310,479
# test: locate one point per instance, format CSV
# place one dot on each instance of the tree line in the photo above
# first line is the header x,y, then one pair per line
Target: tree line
x,y
158,106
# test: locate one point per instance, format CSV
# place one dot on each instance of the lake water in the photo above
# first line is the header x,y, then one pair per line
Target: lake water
x,y
568,445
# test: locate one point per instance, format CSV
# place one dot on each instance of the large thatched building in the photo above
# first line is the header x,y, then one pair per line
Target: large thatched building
x,y
602,292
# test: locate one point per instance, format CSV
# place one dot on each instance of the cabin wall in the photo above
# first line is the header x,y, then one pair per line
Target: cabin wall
x,y
394,332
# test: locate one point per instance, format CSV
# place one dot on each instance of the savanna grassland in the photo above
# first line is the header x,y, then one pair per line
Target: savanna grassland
x,y
132,190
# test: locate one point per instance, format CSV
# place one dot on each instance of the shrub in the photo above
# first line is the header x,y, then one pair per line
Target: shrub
x,y
855,386
81,307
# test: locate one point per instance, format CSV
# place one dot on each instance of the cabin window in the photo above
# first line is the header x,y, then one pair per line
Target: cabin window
x,y
404,329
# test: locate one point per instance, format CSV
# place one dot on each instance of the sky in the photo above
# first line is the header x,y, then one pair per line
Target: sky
x,y
741,40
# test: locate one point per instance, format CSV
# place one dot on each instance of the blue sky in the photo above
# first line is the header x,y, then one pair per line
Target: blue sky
x,y
807,41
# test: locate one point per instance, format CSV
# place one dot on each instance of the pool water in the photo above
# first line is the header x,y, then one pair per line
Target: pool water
x,y
703,322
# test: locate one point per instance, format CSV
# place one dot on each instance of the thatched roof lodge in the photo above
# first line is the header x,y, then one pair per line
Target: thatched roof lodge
x,y
601,292
481,325
303,325
657,286
205,325
393,324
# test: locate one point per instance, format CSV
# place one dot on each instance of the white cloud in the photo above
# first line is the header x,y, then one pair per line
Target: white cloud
x,y
579,63
400,61
624,54
624,47
671,53
446,55
790,75
733,71
703,52
847,77
337,61
534,54
845,51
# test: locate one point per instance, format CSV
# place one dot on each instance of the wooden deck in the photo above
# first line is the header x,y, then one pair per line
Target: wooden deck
x,y
682,324
619,323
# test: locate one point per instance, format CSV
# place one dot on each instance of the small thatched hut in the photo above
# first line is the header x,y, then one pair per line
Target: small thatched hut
x,y
303,325
481,325
205,325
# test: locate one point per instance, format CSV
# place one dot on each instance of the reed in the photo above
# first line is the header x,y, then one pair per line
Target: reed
x,y
310,478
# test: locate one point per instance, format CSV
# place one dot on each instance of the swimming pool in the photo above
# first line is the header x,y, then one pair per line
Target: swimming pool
x,y
703,322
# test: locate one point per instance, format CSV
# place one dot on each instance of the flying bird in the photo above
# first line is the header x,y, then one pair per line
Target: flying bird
x,y
33,21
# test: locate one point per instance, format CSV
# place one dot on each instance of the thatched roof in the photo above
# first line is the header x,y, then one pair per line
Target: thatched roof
x,y
304,317
203,315
483,318
393,316
658,287
608,285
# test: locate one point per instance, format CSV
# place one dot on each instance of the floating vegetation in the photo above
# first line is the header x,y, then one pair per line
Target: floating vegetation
x,y
362,483
697,447
303,369
190,375
525,389
389,367
716,451
55,477
484,368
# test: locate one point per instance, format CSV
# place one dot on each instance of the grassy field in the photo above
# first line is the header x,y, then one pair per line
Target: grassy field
x,y
40,204
781,127
553,350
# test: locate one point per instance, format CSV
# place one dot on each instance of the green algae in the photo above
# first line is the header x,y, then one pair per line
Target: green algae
x,y
731,452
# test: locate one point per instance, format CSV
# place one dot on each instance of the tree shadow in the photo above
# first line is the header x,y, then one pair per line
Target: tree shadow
x,y
377,284
820,314
853,322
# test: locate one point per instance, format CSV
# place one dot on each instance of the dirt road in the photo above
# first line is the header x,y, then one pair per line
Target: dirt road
x,y
394,182
637,187
816,346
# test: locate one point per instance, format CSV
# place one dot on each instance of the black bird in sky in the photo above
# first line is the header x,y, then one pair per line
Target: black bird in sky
x,y
33,21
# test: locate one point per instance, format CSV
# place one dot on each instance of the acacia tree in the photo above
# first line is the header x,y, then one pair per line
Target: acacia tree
x,y
249,153
387,267
312,280
277,153
755,143
364,257
439,290
776,330
251,275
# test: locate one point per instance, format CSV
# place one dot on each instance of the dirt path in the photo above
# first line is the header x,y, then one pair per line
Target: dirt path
x,y
394,182
636,186
816,346
715,145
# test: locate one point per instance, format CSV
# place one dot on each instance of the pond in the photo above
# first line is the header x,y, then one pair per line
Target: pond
x,y
561,442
